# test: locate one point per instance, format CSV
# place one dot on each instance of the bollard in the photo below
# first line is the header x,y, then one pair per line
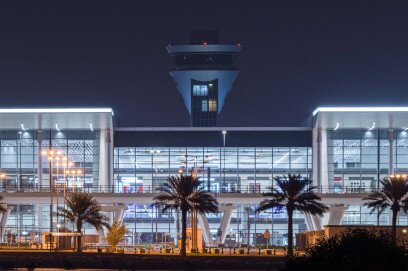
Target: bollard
x,y
259,250
222,250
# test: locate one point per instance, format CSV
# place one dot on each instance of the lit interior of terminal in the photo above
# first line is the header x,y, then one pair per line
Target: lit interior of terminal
x,y
345,152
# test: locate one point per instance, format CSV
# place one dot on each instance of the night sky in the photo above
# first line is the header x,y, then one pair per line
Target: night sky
x,y
295,56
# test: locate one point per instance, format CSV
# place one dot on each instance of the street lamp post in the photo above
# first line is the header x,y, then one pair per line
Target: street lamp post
x,y
57,164
52,154
74,172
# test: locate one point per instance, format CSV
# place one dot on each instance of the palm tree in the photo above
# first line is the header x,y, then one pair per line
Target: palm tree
x,y
294,193
83,208
393,194
115,234
184,193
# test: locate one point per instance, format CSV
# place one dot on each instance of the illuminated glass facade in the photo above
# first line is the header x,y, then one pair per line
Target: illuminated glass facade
x,y
222,170
344,155
19,157
359,159
229,169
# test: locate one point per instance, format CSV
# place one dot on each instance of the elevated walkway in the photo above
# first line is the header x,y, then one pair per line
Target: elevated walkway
x,y
147,198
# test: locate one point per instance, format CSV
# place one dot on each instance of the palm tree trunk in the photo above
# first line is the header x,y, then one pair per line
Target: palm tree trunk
x,y
79,237
183,232
290,233
394,225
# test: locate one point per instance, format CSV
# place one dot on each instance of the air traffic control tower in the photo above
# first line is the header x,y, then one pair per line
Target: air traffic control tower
x,y
204,72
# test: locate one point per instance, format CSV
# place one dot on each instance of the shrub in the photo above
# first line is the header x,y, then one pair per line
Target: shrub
x,y
360,250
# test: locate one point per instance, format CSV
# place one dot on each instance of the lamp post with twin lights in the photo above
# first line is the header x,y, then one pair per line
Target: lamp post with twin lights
x,y
74,172
52,154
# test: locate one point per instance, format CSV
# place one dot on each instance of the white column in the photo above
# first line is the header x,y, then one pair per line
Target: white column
x,y
4,218
105,158
315,156
317,222
114,213
225,220
320,158
206,228
391,152
39,158
324,174
119,214
309,222
334,215
40,217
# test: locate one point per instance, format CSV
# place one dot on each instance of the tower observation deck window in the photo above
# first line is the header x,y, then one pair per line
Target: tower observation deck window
x,y
212,105
204,106
200,90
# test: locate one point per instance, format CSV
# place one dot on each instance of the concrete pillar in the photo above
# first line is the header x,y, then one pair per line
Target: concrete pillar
x,y
39,158
315,156
206,228
309,222
4,218
247,224
324,175
320,159
317,222
225,220
391,152
119,214
106,158
115,213
40,217
335,215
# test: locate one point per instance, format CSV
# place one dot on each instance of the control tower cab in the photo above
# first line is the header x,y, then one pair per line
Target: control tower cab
x,y
204,72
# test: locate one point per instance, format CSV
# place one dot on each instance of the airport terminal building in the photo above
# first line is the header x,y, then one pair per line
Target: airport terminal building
x,y
346,151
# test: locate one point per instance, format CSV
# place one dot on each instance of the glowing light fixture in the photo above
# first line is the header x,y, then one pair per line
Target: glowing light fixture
x,y
91,126
224,132
372,127
405,128
337,126
56,127
22,127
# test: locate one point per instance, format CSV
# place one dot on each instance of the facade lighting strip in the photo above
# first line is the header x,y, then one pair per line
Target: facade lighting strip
x,y
56,110
359,109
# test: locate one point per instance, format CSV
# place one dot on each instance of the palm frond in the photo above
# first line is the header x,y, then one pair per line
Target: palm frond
x,y
295,192
185,192
393,194
81,208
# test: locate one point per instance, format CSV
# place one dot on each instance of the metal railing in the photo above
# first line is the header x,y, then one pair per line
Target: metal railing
x,y
148,189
